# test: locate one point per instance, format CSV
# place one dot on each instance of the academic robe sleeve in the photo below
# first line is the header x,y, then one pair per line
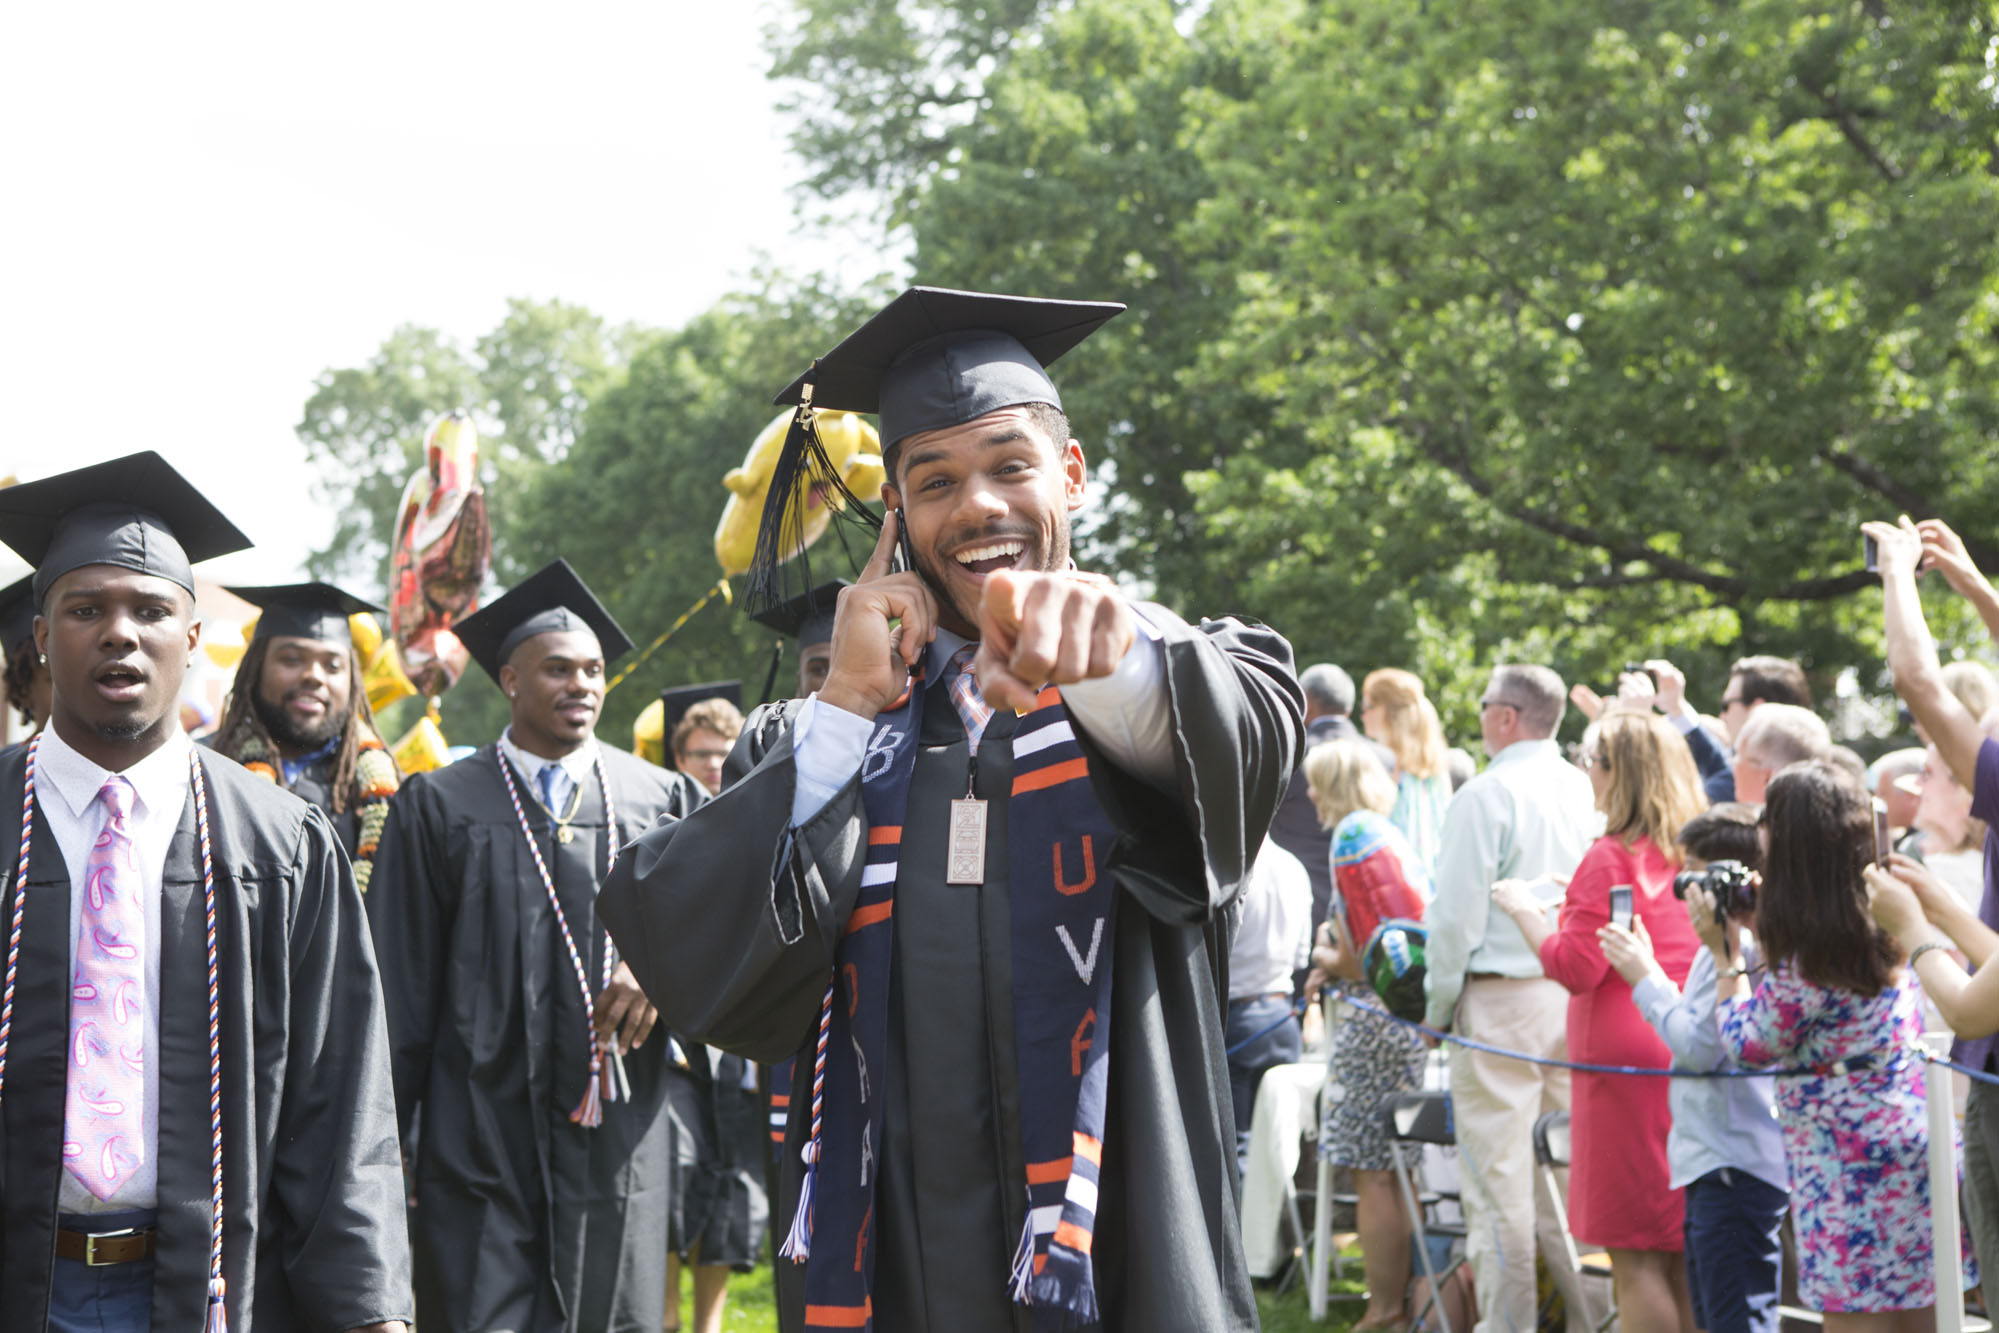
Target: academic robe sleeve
x,y
729,917
336,1176
408,916
1238,729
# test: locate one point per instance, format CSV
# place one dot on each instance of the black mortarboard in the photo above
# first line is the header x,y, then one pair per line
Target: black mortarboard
x,y
935,357
807,617
17,613
134,512
674,703
550,599
305,610
930,359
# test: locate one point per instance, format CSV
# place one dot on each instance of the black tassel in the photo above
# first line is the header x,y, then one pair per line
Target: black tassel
x,y
781,567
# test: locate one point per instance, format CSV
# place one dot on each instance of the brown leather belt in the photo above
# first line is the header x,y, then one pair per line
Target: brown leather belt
x,y
111,1247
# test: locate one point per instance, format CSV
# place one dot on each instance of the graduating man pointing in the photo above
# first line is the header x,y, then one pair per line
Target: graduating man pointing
x,y
1005,837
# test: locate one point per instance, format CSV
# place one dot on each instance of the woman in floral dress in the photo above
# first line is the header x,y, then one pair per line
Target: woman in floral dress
x,y
1837,990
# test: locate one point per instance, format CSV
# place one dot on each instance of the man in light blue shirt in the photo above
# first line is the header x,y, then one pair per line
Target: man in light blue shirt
x,y
1531,815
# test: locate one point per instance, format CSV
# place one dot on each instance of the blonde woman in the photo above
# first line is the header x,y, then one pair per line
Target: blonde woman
x,y
1377,876
1620,1195
1395,711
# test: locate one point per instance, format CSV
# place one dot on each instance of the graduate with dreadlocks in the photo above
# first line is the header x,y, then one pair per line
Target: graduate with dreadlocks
x,y
196,1121
980,883
531,1087
298,714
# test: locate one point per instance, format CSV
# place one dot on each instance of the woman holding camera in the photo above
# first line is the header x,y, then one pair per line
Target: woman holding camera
x,y
1620,1195
1836,990
1395,712
1376,876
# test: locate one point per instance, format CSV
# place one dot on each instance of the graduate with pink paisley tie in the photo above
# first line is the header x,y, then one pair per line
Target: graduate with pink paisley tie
x,y
196,1122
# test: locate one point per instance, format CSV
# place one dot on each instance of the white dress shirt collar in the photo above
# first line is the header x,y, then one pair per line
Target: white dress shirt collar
x,y
159,781
578,763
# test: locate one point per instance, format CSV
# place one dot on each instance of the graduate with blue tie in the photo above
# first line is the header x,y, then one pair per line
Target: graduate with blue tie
x,y
529,1083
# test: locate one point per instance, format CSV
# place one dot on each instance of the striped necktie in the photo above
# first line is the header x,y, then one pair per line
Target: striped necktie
x,y
972,708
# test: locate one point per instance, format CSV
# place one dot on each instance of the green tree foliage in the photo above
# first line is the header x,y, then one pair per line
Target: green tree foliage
x,y
527,384
1470,332
633,505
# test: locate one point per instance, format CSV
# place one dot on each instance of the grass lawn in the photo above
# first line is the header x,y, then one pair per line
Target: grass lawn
x,y
752,1310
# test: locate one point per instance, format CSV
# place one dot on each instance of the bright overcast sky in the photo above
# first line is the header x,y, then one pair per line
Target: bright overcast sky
x,y
207,206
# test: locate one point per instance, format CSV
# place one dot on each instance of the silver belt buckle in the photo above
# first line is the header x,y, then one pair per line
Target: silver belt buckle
x,y
90,1246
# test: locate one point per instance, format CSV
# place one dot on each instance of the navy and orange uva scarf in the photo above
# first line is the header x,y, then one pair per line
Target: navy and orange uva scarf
x,y
1062,927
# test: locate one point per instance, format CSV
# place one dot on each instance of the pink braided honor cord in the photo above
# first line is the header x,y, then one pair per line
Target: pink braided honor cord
x,y
20,903
590,1111
218,1316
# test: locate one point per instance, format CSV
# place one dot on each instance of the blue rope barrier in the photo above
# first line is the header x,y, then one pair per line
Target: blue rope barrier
x,y
1858,1064
1883,1061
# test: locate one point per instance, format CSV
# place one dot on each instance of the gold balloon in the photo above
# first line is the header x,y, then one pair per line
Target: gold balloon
x,y
850,443
649,733
384,679
421,749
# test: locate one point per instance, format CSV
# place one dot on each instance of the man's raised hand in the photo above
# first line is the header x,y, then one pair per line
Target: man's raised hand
x,y
1048,629
873,653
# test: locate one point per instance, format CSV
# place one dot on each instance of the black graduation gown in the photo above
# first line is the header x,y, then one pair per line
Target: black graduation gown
x,y
523,1220
314,1233
735,944
720,1203
315,785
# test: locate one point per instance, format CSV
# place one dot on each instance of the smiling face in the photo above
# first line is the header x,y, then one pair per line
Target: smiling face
x,y
994,493
556,684
118,644
304,693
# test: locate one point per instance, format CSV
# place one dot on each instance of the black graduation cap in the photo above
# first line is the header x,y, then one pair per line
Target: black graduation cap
x,y
550,599
674,703
930,359
808,617
934,357
17,613
304,610
134,512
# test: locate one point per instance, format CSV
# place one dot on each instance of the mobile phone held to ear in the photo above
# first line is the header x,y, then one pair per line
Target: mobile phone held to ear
x,y
902,562
1620,906
1883,845
1870,553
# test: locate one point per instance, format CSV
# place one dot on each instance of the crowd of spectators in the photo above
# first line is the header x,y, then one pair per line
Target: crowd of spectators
x,y
1701,894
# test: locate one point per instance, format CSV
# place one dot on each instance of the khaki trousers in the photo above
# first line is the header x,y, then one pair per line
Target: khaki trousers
x,y
1496,1102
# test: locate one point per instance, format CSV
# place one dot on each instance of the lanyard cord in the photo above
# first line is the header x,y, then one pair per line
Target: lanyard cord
x,y
590,1111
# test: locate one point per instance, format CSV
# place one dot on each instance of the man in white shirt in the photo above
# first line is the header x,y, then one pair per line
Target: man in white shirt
x,y
193,1069
1531,815
1273,941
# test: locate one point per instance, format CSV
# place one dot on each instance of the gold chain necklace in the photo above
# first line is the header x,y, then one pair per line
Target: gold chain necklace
x,y
563,833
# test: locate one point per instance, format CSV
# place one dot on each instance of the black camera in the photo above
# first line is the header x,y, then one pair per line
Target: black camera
x,y
1732,883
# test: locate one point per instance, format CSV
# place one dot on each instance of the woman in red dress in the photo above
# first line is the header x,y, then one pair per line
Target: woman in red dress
x,y
1647,787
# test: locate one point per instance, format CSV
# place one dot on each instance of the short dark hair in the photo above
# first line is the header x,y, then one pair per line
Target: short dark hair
x,y
1812,910
1772,680
1047,418
1724,832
